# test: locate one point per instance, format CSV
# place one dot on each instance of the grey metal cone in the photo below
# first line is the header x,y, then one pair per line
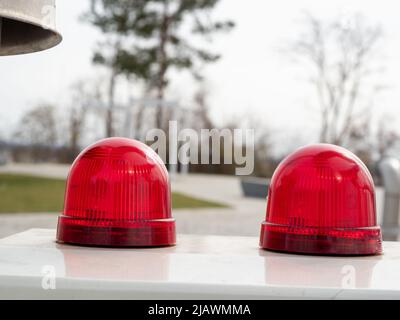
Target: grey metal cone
x,y
27,26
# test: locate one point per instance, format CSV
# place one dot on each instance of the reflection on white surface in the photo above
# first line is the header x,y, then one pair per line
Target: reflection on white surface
x,y
29,262
386,274
312,271
195,260
200,263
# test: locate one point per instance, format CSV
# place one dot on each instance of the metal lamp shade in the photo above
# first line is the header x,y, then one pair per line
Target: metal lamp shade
x,y
27,26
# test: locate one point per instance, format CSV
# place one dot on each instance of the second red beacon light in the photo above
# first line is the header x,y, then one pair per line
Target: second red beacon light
x,y
118,194
322,201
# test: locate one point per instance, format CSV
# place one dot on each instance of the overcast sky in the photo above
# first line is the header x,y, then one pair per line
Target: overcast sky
x,y
253,78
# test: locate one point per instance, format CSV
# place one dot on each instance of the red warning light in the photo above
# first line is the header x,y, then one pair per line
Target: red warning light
x,y
322,201
118,194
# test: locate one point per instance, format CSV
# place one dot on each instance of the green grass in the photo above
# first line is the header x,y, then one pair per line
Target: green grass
x,y
182,201
21,193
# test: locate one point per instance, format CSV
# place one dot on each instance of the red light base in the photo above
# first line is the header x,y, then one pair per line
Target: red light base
x,y
325,241
156,233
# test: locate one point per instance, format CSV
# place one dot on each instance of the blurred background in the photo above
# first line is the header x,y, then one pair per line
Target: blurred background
x,y
297,72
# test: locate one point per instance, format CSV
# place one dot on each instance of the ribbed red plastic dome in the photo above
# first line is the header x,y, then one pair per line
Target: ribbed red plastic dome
x,y
322,201
117,194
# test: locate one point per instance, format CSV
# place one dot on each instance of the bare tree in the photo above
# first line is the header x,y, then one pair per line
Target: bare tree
x,y
372,144
341,61
38,127
387,139
202,111
37,134
81,99
107,56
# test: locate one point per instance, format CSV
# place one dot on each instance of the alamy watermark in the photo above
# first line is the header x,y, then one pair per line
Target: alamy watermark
x,y
49,277
205,146
349,277
48,16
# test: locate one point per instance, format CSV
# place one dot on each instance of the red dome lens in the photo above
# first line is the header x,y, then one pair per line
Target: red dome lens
x,y
322,201
118,194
